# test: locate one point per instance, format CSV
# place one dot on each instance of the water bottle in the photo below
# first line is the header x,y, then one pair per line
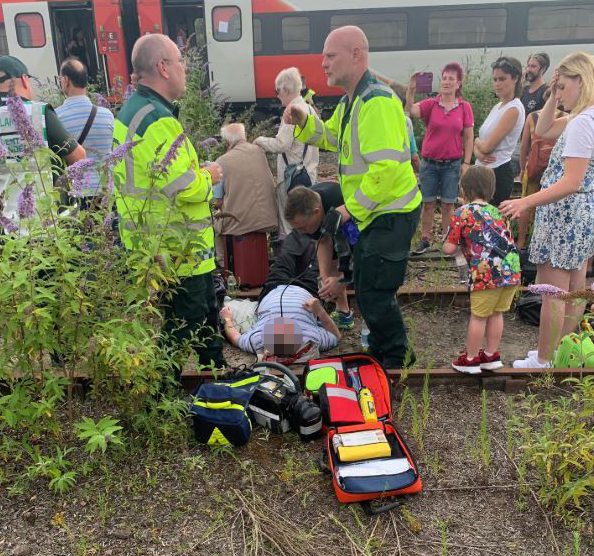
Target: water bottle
x,y
231,284
462,266
364,337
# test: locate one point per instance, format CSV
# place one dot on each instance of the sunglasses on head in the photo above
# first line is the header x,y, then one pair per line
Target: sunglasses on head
x,y
506,65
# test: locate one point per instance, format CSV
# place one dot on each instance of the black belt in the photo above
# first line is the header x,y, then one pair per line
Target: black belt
x,y
442,162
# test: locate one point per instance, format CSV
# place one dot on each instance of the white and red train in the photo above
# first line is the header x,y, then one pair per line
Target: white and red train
x,y
248,41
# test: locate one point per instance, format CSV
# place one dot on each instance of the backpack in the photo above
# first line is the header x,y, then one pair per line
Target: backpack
x,y
364,453
528,307
538,158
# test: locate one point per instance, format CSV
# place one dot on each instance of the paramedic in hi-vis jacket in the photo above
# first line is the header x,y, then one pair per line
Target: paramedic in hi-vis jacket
x,y
368,131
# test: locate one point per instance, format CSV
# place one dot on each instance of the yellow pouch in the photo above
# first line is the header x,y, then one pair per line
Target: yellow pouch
x,y
361,445
359,453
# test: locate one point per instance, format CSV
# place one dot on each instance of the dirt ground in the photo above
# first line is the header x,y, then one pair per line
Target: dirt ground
x,y
269,498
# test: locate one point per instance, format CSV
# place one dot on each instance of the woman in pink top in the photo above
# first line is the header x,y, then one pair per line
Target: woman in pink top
x,y
447,147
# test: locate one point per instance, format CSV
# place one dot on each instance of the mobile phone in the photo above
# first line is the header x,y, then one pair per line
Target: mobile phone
x,y
424,82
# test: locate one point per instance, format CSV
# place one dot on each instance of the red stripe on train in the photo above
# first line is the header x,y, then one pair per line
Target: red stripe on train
x,y
270,6
266,68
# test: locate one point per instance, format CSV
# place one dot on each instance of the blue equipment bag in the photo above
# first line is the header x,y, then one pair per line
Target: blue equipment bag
x,y
219,413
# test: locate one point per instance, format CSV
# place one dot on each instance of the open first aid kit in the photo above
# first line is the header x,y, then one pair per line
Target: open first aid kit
x,y
364,452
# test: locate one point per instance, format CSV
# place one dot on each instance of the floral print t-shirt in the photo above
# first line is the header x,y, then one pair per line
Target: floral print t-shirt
x,y
488,246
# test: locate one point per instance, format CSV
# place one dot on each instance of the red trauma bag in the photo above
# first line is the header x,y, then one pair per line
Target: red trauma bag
x,y
374,479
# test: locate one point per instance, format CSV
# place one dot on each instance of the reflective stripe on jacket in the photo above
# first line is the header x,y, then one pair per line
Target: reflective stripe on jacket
x,y
174,202
18,169
375,172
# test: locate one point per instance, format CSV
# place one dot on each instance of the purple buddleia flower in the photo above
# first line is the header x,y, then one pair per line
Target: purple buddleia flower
x,y
119,152
3,151
209,143
171,154
101,101
26,202
79,176
546,289
22,121
108,221
8,224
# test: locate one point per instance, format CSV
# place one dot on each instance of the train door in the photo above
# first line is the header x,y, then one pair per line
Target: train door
x,y
230,48
130,28
74,35
29,37
184,23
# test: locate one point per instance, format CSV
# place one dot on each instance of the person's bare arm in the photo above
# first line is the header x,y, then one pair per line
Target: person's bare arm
x,y
77,154
231,332
414,110
449,248
548,125
314,306
503,128
468,142
526,143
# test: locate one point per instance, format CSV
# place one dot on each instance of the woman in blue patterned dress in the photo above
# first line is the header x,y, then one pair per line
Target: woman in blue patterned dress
x,y
563,238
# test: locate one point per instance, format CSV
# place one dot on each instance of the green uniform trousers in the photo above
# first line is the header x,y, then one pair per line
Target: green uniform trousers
x,y
193,309
380,260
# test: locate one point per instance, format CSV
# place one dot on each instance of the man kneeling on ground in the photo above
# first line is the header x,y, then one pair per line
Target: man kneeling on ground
x,y
306,210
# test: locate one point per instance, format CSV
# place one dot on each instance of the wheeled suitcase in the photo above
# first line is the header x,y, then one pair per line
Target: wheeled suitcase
x,y
375,463
246,256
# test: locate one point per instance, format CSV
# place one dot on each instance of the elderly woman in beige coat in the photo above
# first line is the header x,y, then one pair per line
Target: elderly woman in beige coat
x,y
288,87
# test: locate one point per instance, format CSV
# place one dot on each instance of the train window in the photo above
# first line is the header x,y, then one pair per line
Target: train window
x,y
561,23
257,30
3,41
465,27
30,30
383,30
226,23
200,32
295,32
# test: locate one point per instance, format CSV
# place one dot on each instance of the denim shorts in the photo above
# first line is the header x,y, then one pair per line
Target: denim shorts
x,y
440,180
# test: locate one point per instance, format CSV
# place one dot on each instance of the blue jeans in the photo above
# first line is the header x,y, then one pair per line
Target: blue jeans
x,y
440,180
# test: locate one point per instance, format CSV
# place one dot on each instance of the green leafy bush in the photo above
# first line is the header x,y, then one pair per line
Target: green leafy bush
x,y
555,443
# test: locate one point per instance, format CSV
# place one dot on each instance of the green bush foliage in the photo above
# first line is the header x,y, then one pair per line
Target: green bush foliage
x,y
555,444
74,302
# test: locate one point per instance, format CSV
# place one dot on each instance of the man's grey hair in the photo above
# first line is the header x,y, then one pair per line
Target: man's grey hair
x,y
233,134
289,80
148,51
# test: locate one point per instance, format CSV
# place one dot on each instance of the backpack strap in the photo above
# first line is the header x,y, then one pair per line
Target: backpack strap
x,y
87,128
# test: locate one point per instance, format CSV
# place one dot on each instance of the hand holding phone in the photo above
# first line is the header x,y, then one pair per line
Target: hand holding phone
x,y
424,82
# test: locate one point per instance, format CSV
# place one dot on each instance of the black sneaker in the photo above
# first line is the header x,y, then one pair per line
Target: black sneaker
x,y
422,247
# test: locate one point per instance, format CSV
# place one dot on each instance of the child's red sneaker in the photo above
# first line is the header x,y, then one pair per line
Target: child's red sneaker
x,y
490,362
467,366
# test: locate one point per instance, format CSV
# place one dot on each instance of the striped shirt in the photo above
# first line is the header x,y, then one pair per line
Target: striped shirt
x,y
293,298
74,114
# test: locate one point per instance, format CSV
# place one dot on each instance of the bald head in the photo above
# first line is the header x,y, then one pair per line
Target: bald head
x,y
346,57
233,134
75,77
158,64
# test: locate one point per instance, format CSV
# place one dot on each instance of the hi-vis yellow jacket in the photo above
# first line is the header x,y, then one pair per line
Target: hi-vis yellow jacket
x,y
174,203
375,173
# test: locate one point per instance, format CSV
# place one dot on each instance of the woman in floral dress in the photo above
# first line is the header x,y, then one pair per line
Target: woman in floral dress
x,y
563,238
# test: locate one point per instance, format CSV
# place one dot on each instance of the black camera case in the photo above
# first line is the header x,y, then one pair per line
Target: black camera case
x,y
280,406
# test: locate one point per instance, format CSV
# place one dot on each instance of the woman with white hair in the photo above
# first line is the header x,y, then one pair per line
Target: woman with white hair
x,y
290,151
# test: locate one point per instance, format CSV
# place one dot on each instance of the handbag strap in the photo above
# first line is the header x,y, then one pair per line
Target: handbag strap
x,y
303,159
87,128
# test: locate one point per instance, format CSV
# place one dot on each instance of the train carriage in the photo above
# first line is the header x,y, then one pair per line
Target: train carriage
x,y
247,42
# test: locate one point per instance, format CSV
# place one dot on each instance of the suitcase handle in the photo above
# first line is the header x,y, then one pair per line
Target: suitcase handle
x,y
373,509
285,370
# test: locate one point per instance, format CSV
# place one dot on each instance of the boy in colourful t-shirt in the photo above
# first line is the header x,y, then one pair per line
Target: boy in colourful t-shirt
x,y
488,246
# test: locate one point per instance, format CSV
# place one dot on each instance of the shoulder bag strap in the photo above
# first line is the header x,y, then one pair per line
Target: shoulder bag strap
x,y
87,128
